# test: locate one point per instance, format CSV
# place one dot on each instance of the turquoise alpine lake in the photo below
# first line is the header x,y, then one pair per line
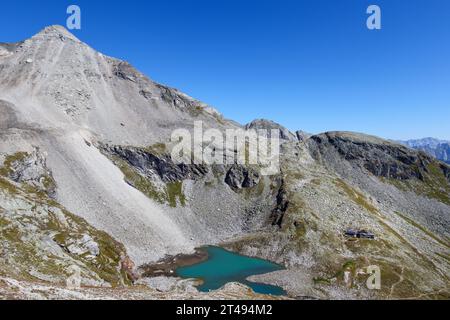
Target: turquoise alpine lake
x,y
223,266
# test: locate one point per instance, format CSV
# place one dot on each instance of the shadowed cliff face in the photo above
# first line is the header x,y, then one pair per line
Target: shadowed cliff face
x,y
446,170
55,80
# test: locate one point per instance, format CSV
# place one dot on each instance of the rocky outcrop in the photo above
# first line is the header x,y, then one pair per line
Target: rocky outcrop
x,y
148,162
42,241
125,71
8,117
442,152
176,98
302,135
31,169
379,157
446,170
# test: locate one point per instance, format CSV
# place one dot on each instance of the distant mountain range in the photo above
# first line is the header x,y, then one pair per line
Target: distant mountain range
x,y
440,149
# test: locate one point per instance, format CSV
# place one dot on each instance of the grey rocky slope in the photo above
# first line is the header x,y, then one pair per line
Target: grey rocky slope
x,y
440,149
90,135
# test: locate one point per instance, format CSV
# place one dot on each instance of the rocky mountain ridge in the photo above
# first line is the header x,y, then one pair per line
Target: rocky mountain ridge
x,y
440,149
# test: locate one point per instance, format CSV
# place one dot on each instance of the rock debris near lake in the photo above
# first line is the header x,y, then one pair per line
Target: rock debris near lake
x,y
86,180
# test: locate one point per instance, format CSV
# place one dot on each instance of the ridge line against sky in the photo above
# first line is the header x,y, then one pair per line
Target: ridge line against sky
x,y
310,65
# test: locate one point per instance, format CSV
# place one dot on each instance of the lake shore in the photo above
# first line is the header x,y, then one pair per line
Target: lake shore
x,y
168,265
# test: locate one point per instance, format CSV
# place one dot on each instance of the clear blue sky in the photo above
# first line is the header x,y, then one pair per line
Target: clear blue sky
x,y
307,64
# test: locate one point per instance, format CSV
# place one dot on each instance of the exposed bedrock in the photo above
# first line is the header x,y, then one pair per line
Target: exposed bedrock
x,y
381,158
160,164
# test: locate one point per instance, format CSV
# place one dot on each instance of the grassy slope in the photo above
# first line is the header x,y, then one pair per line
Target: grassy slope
x,y
37,218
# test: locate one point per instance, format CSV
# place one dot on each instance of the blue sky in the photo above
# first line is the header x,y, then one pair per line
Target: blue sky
x,y
307,64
